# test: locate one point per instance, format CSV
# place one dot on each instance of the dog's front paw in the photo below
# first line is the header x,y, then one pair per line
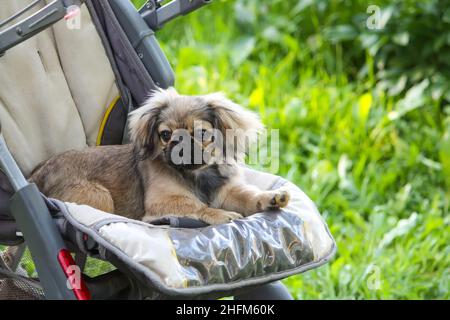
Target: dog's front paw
x,y
218,216
274,200
280,199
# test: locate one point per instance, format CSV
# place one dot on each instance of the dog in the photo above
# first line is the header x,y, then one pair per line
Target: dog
x,y
155,176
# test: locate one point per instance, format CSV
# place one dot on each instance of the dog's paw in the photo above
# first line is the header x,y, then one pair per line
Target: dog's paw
x,y
274,200
280,199
218,216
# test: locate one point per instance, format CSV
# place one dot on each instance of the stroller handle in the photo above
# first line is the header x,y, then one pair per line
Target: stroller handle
x,y
34,24
156,15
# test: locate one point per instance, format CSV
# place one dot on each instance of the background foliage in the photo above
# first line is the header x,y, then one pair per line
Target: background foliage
x,y
364,120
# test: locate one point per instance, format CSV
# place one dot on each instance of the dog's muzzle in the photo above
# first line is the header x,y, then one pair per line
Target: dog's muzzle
x,y
185,154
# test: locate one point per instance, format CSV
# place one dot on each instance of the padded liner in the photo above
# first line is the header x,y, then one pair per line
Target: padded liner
x,y
54,89
182,262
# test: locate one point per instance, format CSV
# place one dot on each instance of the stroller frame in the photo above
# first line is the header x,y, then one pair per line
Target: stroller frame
x,y
49,251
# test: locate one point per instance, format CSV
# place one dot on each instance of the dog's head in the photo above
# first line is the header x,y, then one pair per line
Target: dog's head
x,y
189,132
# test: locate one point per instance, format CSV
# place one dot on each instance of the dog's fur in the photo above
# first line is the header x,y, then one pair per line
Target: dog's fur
x,y
138,180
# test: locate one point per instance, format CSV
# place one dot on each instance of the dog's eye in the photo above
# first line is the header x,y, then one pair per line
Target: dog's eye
x,y
203,134
165,135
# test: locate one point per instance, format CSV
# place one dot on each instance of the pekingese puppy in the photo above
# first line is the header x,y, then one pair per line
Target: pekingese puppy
x,y
182,160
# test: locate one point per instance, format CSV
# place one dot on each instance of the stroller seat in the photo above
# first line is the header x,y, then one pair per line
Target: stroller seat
x,y
54,89
72,86
205,261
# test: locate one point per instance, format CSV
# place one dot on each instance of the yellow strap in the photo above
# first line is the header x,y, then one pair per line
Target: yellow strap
x,y
105,119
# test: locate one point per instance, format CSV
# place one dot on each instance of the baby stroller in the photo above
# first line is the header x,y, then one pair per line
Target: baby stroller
x,y
85,65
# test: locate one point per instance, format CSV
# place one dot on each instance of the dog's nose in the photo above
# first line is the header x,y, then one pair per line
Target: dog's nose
x,y
176,141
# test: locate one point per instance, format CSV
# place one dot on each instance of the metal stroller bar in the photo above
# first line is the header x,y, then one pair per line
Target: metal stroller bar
x,y
156,15
10,167
21,12
34,24
37,227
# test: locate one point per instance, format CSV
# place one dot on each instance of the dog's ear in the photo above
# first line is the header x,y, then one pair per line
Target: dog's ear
x,y
231,118
143,132
143,123
229,115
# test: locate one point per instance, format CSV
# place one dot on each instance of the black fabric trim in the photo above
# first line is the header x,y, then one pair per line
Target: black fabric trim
x,y
114,128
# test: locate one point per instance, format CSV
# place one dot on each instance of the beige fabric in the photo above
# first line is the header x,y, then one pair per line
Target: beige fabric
x,y
147,245
54,90
88,72
150,247
87,215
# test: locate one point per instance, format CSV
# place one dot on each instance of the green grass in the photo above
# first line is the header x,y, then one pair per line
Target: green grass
x,y
378,171
378,179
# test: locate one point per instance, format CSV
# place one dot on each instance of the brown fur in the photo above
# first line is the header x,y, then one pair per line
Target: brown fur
x,y
139,181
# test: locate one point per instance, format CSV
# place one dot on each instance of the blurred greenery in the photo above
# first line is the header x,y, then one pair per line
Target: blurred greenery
x,y
364,120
